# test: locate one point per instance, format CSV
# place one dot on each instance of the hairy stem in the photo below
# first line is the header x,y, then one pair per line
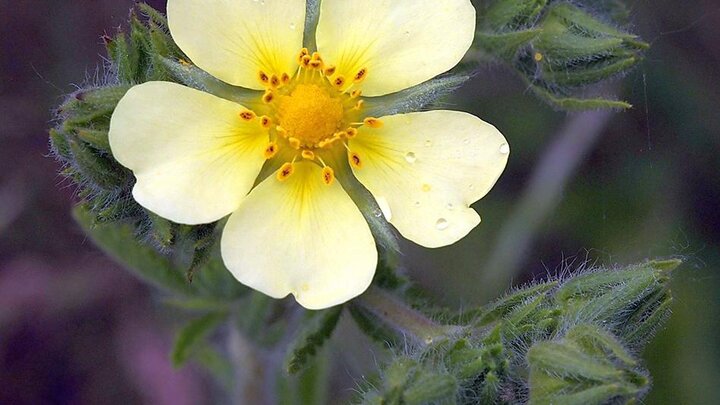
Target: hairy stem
x,y
401,318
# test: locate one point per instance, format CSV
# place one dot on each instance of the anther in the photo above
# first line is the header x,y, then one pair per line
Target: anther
x,y
294,143
268,97
355,160
305,61
356,93
271,150
247,115
303,52
328,175
373,122
316,64
339,81
351,132
308,154
360,75
265,121
285,171
285,78
274,81
330,70
359,105
264,78
281,131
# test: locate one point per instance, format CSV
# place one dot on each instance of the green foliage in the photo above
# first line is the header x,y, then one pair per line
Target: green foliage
x,y
193,334
561,49
315,330
567,341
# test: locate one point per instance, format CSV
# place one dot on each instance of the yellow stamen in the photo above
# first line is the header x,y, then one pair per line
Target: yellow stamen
x,y
355,160
285,171
308,154
538,57
247,115
339,82
330,70
360,75
264,78
328,175
274,81
265,121
373,122
271,150
268,97
351,133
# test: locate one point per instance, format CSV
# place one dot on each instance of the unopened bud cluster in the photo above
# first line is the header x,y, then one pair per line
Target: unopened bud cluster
x,y
561,48
566,341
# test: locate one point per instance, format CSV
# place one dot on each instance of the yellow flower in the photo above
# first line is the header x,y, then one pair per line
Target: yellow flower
x,y
196,157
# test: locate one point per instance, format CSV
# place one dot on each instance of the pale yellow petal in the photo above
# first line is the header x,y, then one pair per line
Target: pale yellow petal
x,y
401,42
194,158
426,169
233,40
301,237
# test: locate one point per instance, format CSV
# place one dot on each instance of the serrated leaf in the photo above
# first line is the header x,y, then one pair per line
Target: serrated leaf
x,y
119,242
190,336
313,335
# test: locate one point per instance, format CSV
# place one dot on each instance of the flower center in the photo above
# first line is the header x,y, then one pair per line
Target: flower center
x,y
310,114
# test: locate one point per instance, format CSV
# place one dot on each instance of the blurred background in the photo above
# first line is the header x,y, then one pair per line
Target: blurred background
x,y
597,188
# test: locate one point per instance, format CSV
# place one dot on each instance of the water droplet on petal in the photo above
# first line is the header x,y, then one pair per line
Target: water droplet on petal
x,y
417,204
410,157
442,224
504,149
466,141
293,26
428,143
450,207
384,207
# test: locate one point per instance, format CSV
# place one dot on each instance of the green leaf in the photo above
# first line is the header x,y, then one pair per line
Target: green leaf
x,y
120,243
314,333
190,336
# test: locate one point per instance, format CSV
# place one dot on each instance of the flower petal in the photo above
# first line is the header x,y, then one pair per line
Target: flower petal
x,y
401,42
193,156
425,169
235,40
303,237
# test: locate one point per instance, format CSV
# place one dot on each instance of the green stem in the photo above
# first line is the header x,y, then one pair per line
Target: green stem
x,y
403,319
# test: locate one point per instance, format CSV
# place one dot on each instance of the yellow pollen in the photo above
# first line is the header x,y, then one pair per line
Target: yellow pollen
x,y
285,171
538,57
247,115
264,78
274,81
339,81
373,122
268,97
330,70
360,75
265,121
328,175
310,114
308,154
355,160
271,150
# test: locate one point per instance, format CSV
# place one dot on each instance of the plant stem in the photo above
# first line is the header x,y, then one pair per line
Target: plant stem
x,y
403,319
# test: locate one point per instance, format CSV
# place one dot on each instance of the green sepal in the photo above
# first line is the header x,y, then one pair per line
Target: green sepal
x,y
316,329
506,15
192,335
505,45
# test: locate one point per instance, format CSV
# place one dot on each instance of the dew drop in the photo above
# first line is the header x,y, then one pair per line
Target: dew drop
x,y
471,187
417,204
410,157
428,143
441,224
466,141
450,207
504,149
293,26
